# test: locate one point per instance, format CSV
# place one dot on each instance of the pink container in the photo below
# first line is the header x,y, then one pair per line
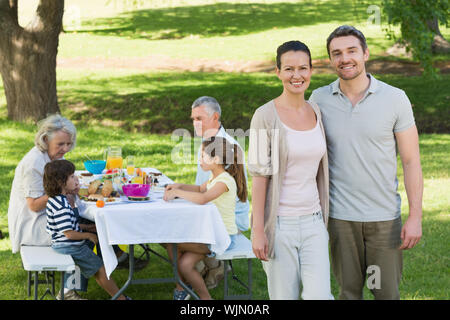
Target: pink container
x,y
136,190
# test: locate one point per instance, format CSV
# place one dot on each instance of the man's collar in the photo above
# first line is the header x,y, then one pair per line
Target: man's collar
x,y
373,86
220,133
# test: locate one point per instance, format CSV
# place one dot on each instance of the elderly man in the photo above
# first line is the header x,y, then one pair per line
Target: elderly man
x,y
205,115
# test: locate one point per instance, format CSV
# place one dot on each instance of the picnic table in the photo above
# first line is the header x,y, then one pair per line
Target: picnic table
x,y
155,221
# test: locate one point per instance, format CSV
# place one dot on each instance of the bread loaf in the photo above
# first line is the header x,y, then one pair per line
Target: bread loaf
x,y
93,186
107,188
95,197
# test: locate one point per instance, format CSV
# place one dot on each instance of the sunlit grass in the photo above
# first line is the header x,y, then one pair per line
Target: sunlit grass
x,y
128,107
424,275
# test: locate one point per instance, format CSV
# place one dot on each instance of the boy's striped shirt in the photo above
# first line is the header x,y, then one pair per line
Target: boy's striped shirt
x,y
60,218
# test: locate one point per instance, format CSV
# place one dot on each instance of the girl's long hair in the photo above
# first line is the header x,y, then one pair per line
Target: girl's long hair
x,y
231,156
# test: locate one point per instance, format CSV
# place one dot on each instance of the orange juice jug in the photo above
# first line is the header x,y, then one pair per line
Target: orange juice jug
x,y
114,158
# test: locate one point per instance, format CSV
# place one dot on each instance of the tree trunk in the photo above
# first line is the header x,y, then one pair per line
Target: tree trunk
x,y
440,45
28,60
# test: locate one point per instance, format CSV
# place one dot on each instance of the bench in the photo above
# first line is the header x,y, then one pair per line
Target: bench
x,y
241,250
40,259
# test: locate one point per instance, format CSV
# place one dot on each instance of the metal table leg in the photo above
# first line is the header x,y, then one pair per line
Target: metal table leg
x,y
29,282
62,285
130,273
36,282
174,279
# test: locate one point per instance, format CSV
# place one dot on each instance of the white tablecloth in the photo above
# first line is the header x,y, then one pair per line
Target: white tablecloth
x,y
158,221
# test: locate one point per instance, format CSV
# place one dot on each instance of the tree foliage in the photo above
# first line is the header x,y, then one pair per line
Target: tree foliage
x,y
416,19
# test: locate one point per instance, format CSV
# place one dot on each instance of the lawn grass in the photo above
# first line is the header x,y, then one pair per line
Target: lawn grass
x,y
158,102
425,267
124,107
138,110
221,31
228,31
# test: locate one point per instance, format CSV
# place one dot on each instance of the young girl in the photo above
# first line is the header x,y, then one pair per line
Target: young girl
x,y
64,228
224,160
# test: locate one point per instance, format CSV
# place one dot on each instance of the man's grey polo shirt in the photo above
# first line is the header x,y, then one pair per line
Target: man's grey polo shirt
x,y
362,149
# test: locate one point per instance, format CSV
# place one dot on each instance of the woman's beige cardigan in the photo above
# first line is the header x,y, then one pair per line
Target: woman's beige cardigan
x,y
267,157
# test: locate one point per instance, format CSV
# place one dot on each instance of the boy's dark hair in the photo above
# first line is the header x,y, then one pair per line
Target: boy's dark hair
x,y
344,31
56,173
293,45
231,158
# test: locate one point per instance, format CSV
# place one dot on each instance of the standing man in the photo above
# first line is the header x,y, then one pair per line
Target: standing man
x,y
366,121
205,115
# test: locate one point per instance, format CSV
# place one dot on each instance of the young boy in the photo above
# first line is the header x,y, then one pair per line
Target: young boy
x,y
64,228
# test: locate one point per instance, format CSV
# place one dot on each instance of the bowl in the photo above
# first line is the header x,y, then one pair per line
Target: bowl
x,y
95,166
136,189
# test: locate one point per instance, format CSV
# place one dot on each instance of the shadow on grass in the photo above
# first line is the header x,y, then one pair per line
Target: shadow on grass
x,y
224,19
161,102
429,98
164,100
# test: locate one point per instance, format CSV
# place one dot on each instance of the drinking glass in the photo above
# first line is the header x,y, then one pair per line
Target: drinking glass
x,y
130,165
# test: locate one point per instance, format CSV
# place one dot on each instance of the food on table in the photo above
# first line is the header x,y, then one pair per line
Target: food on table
x,y
100,203
130,170
138,198
87,174
107,188
93,186
83,192
95,197
138,179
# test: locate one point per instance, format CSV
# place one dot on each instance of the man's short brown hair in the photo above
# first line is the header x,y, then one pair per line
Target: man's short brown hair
x,y
344,31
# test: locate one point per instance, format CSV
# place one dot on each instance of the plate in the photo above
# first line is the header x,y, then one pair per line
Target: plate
x,y
113,200
138,198
146,200
108,201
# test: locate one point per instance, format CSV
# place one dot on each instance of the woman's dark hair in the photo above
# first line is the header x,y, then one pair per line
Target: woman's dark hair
x,y
344,31
293,45
231,158
56,174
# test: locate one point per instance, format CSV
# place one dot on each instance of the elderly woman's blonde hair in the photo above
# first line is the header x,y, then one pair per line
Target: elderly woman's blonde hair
x,y
50,125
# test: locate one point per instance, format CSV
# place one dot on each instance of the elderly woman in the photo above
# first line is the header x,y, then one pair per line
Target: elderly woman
x,y
26,214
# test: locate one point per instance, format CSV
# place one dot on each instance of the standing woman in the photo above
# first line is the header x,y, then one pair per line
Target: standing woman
x,y
289,165
26,214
